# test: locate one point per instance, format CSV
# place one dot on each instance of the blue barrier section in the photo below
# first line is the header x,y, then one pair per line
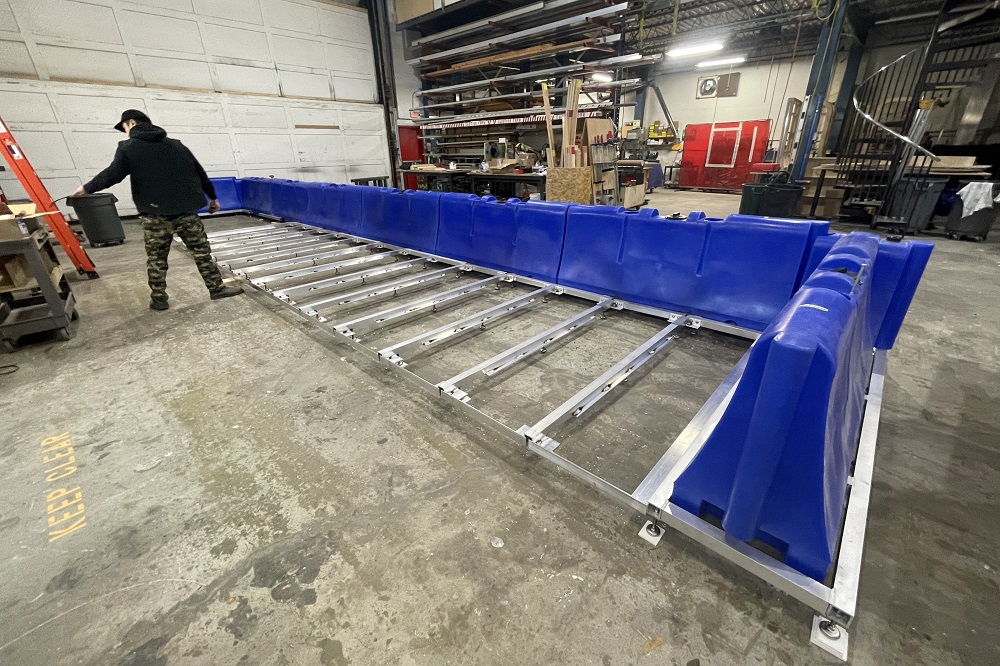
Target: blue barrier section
x,y
740,270
257,194
408,219
524,238
228,192
289,199
775,467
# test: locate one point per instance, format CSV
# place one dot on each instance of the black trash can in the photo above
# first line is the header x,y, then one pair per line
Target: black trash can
x,y
99,218
752,199
781,199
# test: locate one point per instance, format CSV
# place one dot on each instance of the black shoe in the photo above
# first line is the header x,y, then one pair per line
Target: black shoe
x,y
155,304
226,292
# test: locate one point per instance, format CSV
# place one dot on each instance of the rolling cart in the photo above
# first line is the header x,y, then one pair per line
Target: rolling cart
x,y
34,293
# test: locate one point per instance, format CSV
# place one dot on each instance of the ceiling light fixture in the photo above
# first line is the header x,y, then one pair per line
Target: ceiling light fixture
x,y
602,77
694,49
736,60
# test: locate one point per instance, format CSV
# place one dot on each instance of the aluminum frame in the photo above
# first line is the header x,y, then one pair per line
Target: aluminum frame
x,y
835,603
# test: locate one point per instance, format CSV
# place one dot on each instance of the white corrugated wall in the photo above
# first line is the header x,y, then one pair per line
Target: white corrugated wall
x,y
253,87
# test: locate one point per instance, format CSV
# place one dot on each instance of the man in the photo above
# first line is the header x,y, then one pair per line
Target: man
x,y
168,187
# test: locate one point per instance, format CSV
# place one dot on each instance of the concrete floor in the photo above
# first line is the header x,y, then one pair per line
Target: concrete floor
x,y
256,493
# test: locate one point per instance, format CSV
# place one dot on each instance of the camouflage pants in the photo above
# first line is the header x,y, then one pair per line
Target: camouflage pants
x,y
159,234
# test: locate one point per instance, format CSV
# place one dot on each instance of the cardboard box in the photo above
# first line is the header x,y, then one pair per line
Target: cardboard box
x,y
14,273
13,229
410,9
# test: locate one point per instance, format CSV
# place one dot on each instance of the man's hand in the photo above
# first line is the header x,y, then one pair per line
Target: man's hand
x,y
79,192
213,206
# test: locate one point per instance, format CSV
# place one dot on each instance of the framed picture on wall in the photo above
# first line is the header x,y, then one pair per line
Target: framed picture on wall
x,y
708,86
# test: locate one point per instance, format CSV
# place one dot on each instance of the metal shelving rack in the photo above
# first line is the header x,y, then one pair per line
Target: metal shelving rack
x,y
472,63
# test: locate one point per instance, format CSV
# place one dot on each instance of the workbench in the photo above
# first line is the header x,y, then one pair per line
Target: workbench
x,y
516,181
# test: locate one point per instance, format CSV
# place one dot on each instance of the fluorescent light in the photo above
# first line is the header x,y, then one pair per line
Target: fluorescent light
x,y
722,61
602,77
693,49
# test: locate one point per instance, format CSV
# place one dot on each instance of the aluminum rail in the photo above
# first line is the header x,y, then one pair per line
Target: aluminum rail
x,y
311,260
394,287
355,328
323,269
320,287
593,392
455,386
396,354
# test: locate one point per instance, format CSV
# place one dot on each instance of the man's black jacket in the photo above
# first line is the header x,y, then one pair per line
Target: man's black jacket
x,y
166,178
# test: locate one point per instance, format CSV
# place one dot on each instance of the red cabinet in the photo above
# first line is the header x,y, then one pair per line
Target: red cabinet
x,y
719,156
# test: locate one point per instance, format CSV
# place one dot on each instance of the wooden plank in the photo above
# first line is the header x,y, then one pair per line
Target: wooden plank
x,y
547,48
571,185
550,157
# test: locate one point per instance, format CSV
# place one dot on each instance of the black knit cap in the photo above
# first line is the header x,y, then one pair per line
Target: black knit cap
x,y
132,114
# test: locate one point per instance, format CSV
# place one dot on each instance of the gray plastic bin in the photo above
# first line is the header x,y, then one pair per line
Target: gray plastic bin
x,y
974,227
99,218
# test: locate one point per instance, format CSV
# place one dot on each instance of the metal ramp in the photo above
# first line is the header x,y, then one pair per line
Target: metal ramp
x,y
501,333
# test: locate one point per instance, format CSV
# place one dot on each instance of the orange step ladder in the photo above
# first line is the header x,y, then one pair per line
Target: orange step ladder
x,y
43,201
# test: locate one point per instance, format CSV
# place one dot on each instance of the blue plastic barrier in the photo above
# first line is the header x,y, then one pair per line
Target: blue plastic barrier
x,y
737,270
775,468
228,192
289,199
408,219
257,195
524,238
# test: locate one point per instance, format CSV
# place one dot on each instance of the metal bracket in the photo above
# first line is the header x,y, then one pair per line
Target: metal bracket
x,y
651,532
693,323
829,636
617,305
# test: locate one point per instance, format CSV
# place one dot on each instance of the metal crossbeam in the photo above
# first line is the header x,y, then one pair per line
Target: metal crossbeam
x,y
591,394
455,387
361,295
323,269
280,250
264,239
397,354
243,231
355,328
290,294
313,260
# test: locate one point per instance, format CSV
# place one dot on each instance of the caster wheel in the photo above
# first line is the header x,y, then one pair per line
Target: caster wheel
x,y
950,236
75,315
63,334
